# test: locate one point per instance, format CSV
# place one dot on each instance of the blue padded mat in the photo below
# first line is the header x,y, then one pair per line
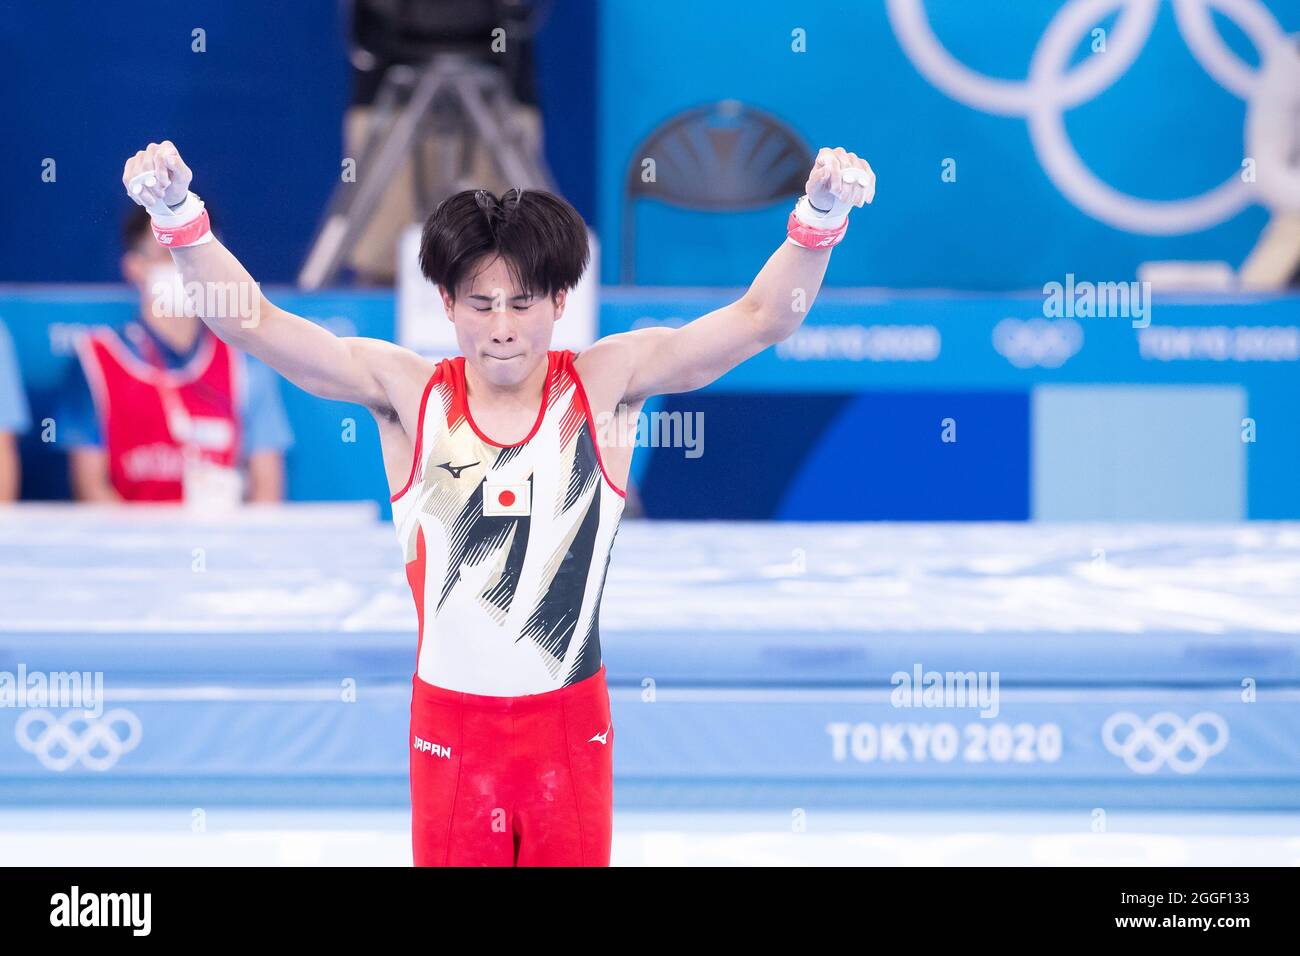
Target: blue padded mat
x,y
750,665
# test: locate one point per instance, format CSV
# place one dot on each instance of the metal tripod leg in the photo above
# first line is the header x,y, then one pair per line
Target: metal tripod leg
x,y
382,160
518,166
468,91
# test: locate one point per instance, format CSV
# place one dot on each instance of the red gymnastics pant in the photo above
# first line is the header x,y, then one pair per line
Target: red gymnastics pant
x,y
512,781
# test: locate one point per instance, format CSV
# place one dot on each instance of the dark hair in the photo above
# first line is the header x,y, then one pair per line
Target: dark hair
x,y
135,226
541,238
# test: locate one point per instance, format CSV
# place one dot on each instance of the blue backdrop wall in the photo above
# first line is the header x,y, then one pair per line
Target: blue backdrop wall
x,y
836,72
882,406
258,115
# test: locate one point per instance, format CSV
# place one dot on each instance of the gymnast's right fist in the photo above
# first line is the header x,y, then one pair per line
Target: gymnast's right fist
x,y
157,175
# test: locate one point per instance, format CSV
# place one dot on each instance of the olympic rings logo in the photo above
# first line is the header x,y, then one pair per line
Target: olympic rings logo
x,y
1145,749
1037,342
1052,88
58,744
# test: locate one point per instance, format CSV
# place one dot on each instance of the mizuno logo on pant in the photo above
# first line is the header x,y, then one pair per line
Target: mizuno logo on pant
x,y
601,738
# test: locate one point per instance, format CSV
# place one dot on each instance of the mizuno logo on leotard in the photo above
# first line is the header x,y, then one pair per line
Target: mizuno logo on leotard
x,y
429,747
455,470
601,738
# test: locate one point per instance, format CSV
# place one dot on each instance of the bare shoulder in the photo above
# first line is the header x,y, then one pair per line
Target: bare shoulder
x,y
605,368
608,365
400,373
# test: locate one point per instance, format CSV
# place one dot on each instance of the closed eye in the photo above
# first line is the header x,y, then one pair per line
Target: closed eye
x,y
519,306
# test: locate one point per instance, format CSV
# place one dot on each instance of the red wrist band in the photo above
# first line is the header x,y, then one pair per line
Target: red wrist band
x,y
812,238
177,236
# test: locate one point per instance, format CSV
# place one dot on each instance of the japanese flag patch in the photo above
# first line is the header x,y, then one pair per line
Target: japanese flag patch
x,y
506,498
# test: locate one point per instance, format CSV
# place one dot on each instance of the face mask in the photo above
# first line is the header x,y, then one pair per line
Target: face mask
x,y
165,291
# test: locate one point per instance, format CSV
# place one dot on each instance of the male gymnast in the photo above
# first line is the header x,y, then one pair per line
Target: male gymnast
x,y
507,466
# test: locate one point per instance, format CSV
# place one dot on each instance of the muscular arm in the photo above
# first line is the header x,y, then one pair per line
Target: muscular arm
x,y
231,303
312,357
663,360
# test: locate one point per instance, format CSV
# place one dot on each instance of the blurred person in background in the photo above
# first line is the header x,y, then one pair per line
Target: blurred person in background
x,y
388,33
163,410
1273,139
13,418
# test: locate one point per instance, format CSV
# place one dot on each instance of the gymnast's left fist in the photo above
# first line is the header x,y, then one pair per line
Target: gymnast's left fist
x,y
839,180
156,175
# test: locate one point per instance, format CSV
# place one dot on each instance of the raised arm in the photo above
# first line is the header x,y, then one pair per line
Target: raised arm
x,y
228,300
665,360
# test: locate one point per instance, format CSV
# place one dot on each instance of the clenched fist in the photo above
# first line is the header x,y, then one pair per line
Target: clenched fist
x,y
157,175
838,180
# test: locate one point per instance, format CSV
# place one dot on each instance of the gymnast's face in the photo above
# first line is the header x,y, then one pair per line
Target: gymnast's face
x,y
502,329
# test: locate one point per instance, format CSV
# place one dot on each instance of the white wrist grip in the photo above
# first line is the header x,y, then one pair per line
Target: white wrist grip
x,y
834,217
810,216
189,209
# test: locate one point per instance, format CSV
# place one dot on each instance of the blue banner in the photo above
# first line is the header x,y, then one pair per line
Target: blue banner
x,y
1011,144
1192,749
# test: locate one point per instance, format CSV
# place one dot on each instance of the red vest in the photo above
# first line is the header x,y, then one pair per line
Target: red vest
x,y
152,418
